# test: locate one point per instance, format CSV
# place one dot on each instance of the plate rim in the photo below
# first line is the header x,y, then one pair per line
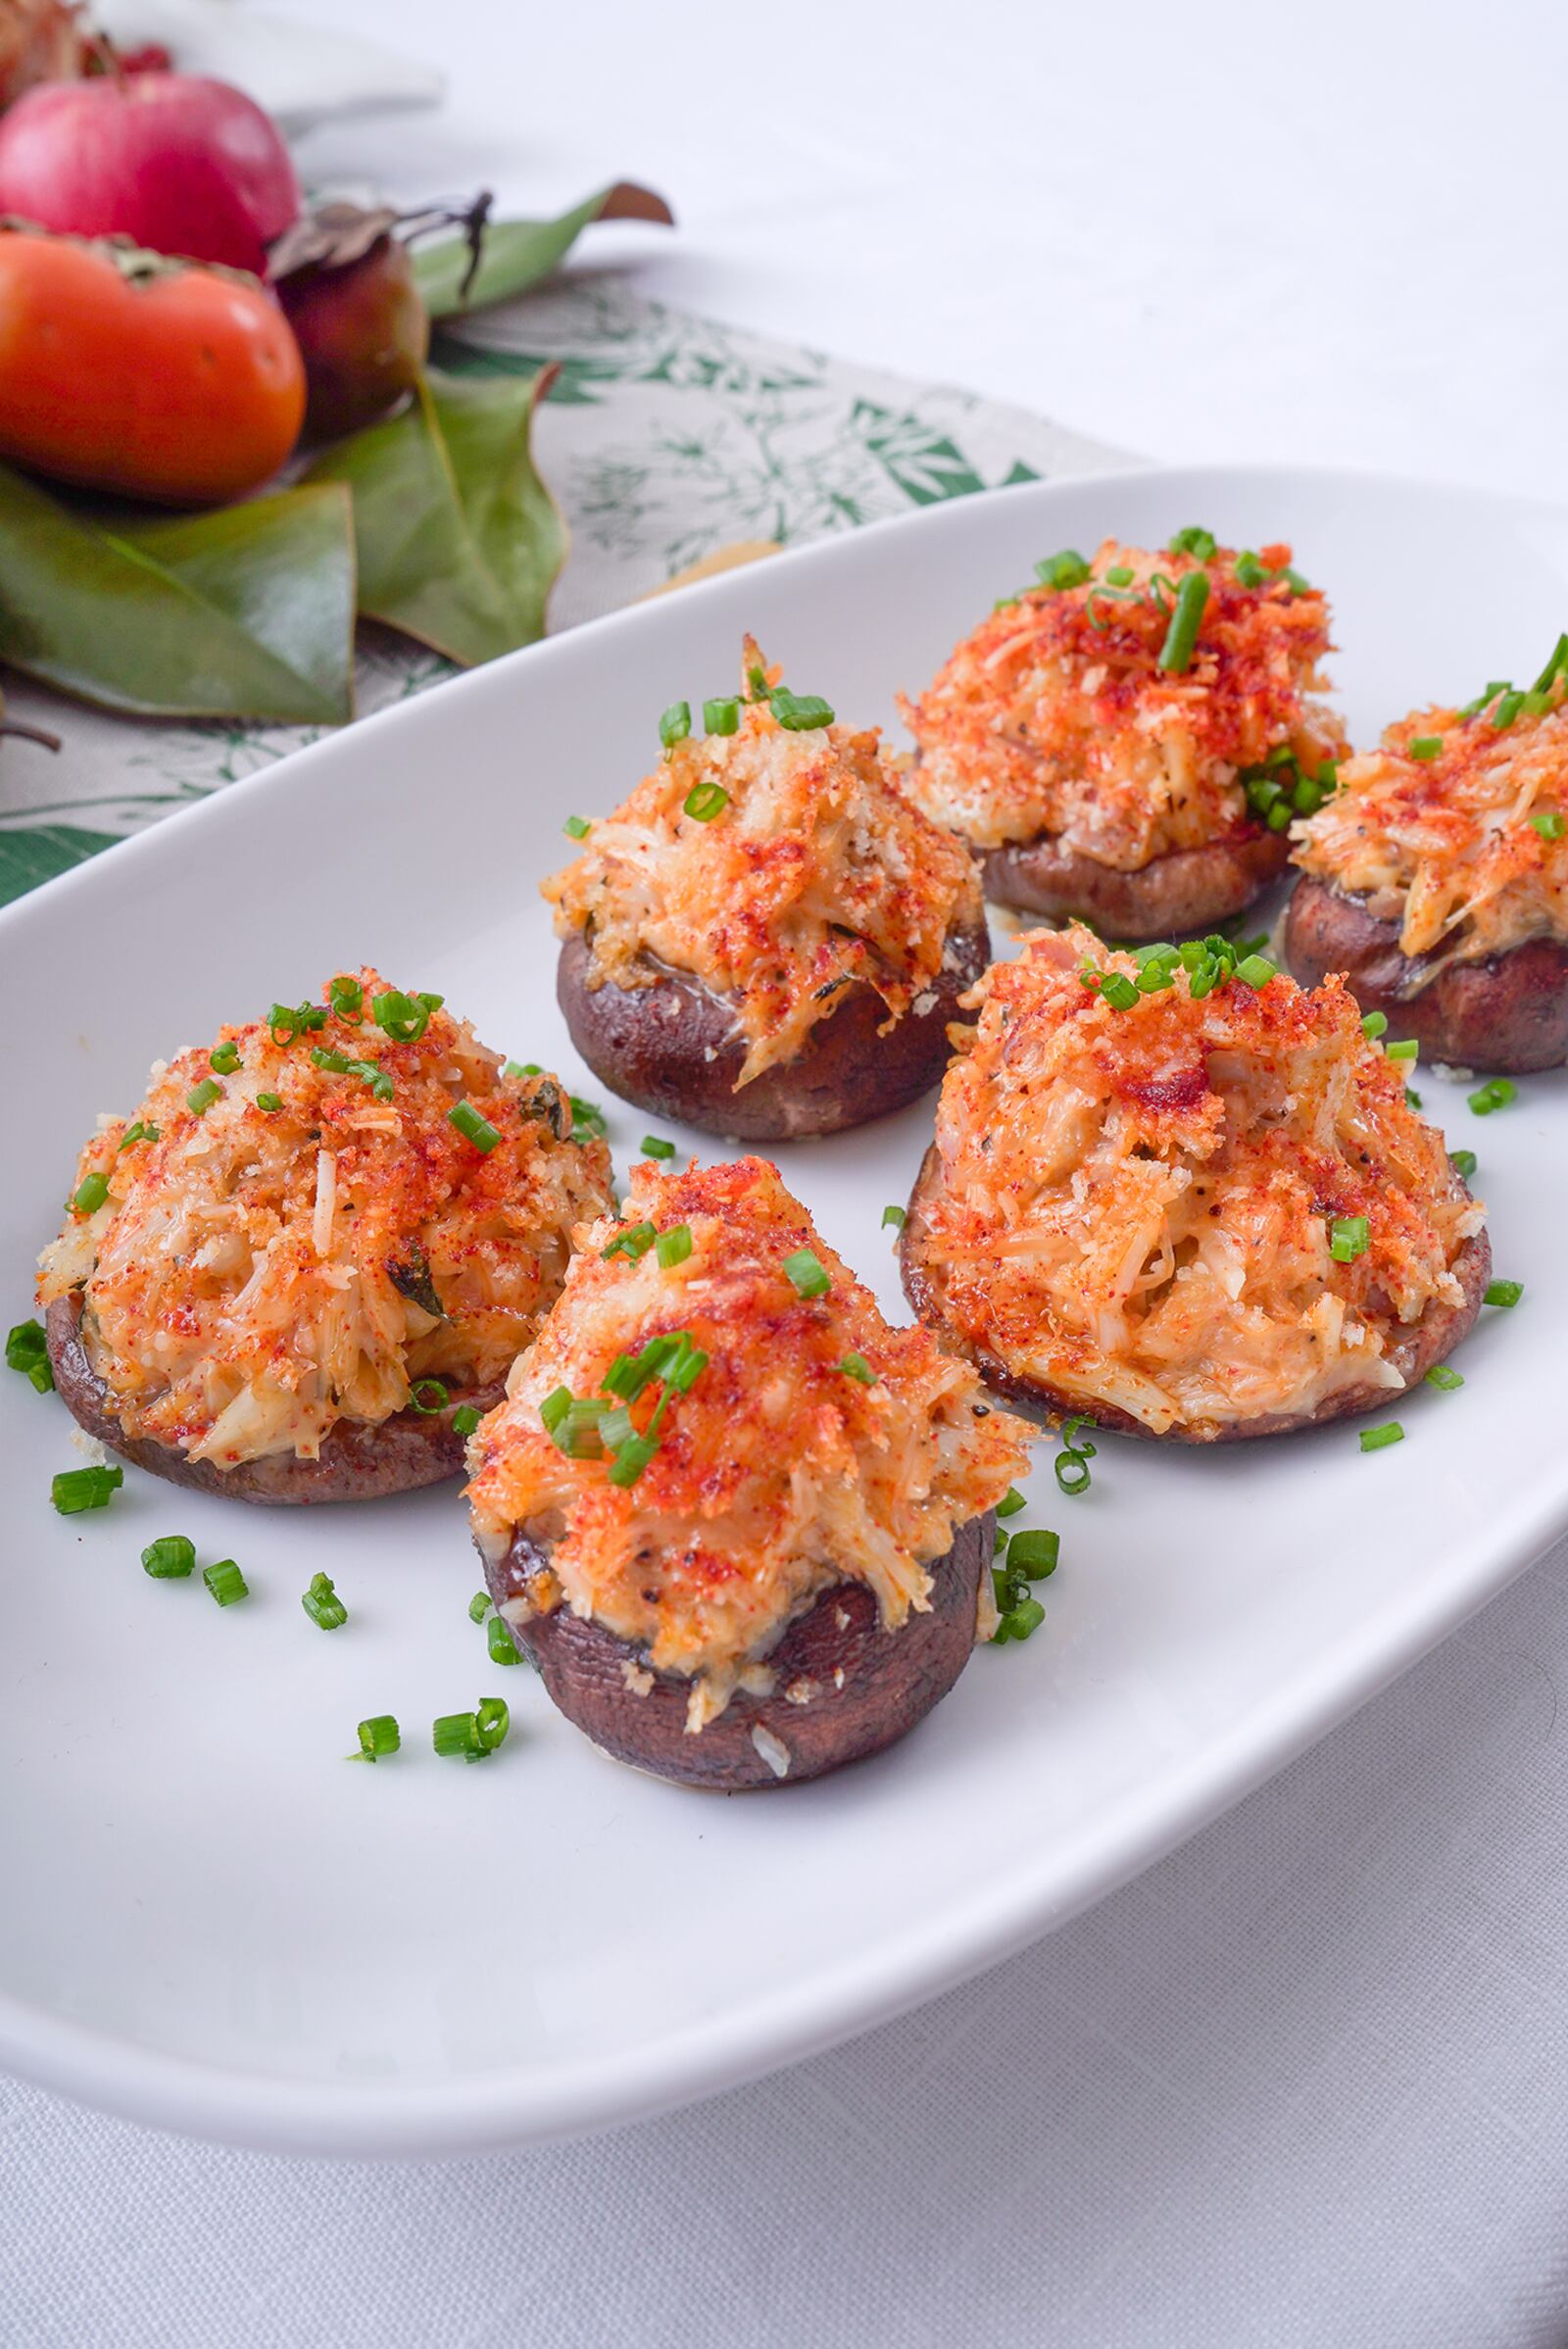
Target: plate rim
x,y
513,2106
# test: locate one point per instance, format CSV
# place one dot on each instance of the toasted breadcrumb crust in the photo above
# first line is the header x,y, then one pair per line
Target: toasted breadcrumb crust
x,y
817,871
254,1276
778,1474
1445,846
1054,718
1135,1208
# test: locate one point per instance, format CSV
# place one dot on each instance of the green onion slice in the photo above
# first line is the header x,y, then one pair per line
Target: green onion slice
x,y
201,1098
674,1246
322,1604
226,1058
800,712
653,1146
225,1582
473,1128
895,1217
1011,1501
675,724
1445,1377
91,1195
1503,1293
75,1490
704,800
1063,571
634,1242
1549,822
1350,1237
465,1419
479,1607
170,1558
454,1734
807,1273
1181,638
1464,1163
427,1397
722,717
492,1721
1496,1093
1379,1439
1425,747
270,1103
500,1643
378,1736
1200,544
576,827
855,1366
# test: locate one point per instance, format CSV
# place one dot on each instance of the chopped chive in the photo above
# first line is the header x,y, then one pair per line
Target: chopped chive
x,y
855,1366
1507,711
704,800
674,1246
226,1059
75,1489
1295,581
201,1097
288,1020
800,712
1374,1024
577,1432
91,1196
336,1065
1407,1049
894,1218
1063,571
630,1461
465,1419
492,1720
1379,1439
500,1643
576,827
479,1607
136,1133
1350,1237
453,1734
1255,970
687,1368
1496,686
1073,1472
807,1273
378,1736
1181,638
225,1582
675,724
1464,1163
1412,1097
1495,1093
473,1128
346,995
1011,1501
1425,746
1119,576
404,1017
170,1558
653,1146
1023,1619
1033,1554
1549,822
1445,1377
1117,989
635,1242
322,1604
427,1397
1502,1293
1555,666
723,715
28,1350
270,1103
1249,570
756,681
552,1410
616,1427
1200,544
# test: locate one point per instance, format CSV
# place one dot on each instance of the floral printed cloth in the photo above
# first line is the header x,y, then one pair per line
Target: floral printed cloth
x,y
666,438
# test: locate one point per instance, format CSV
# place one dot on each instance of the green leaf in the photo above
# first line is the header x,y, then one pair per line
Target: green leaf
x,y
35,853
459,540
245,612
517,254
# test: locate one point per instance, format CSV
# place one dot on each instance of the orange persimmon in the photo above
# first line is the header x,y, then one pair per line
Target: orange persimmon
x,y
160,379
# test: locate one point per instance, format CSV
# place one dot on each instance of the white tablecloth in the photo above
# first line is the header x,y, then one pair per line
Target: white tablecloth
x,y
1302,2083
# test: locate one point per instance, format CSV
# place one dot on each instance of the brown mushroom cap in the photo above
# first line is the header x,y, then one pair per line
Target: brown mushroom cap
x,y
1508,1013
672,1048
891,1679
1412,1348
1185,892
356,1461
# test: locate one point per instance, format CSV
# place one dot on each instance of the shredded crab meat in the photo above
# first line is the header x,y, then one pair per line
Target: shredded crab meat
x,y
256,1275
777,1475
1136,1207
1445,846
1054,718
817,870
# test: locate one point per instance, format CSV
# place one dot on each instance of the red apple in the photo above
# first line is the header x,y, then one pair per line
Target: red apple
x,y
180,164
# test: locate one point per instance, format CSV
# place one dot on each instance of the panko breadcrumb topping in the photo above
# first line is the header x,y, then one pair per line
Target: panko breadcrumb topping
x,y
1457,827
1056,718
293,1231
777,1473
1139,1206
804,867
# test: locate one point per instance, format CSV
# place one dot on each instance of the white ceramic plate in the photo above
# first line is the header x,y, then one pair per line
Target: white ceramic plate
x,y
209,1921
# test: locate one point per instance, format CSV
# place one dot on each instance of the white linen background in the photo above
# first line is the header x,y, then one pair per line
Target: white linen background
x,y
1303,2083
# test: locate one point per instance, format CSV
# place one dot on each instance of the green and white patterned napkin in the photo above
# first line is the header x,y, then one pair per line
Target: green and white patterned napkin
x,y
666,438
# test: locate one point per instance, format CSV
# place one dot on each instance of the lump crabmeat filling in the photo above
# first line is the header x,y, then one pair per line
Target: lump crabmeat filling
x,y
814,1443
1056,716
1457,828
777,863
1139,1206
293,1231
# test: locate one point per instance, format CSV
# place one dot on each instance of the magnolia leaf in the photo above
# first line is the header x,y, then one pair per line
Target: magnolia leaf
x,y
459,540
515,253
244,612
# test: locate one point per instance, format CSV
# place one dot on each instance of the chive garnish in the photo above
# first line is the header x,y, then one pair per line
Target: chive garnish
x,y
270,1103
201,1097
722,717
473,1128
1119,576
1379,1439
1425,747
1256,971
1374,1024
500,1643
1250,571
465,1419
855,1366
427,1397
91,1195
1011,1501
170,1558
454,1734
224,1059
1495,1093
346,996
322,1604
634,1242
1502,1293
479,1607
704,800
1063,571
378,1736
896,1217
1445,1377
1181,638
800,712
576,827
674,1246
492,1721
1033,1554
1407,1049
404,1017
1464,1163
1350,1237
75,1490
28,1350
1549,822
807,1273
225,1582
653,1146
675,724
1200,544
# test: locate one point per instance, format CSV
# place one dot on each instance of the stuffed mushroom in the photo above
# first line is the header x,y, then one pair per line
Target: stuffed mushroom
x,y
1125,743
740,1523
1437,878
768,939
303,1269
1186,1198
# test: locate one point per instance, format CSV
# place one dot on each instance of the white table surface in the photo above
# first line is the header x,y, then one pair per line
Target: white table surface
x,y
1302,2083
